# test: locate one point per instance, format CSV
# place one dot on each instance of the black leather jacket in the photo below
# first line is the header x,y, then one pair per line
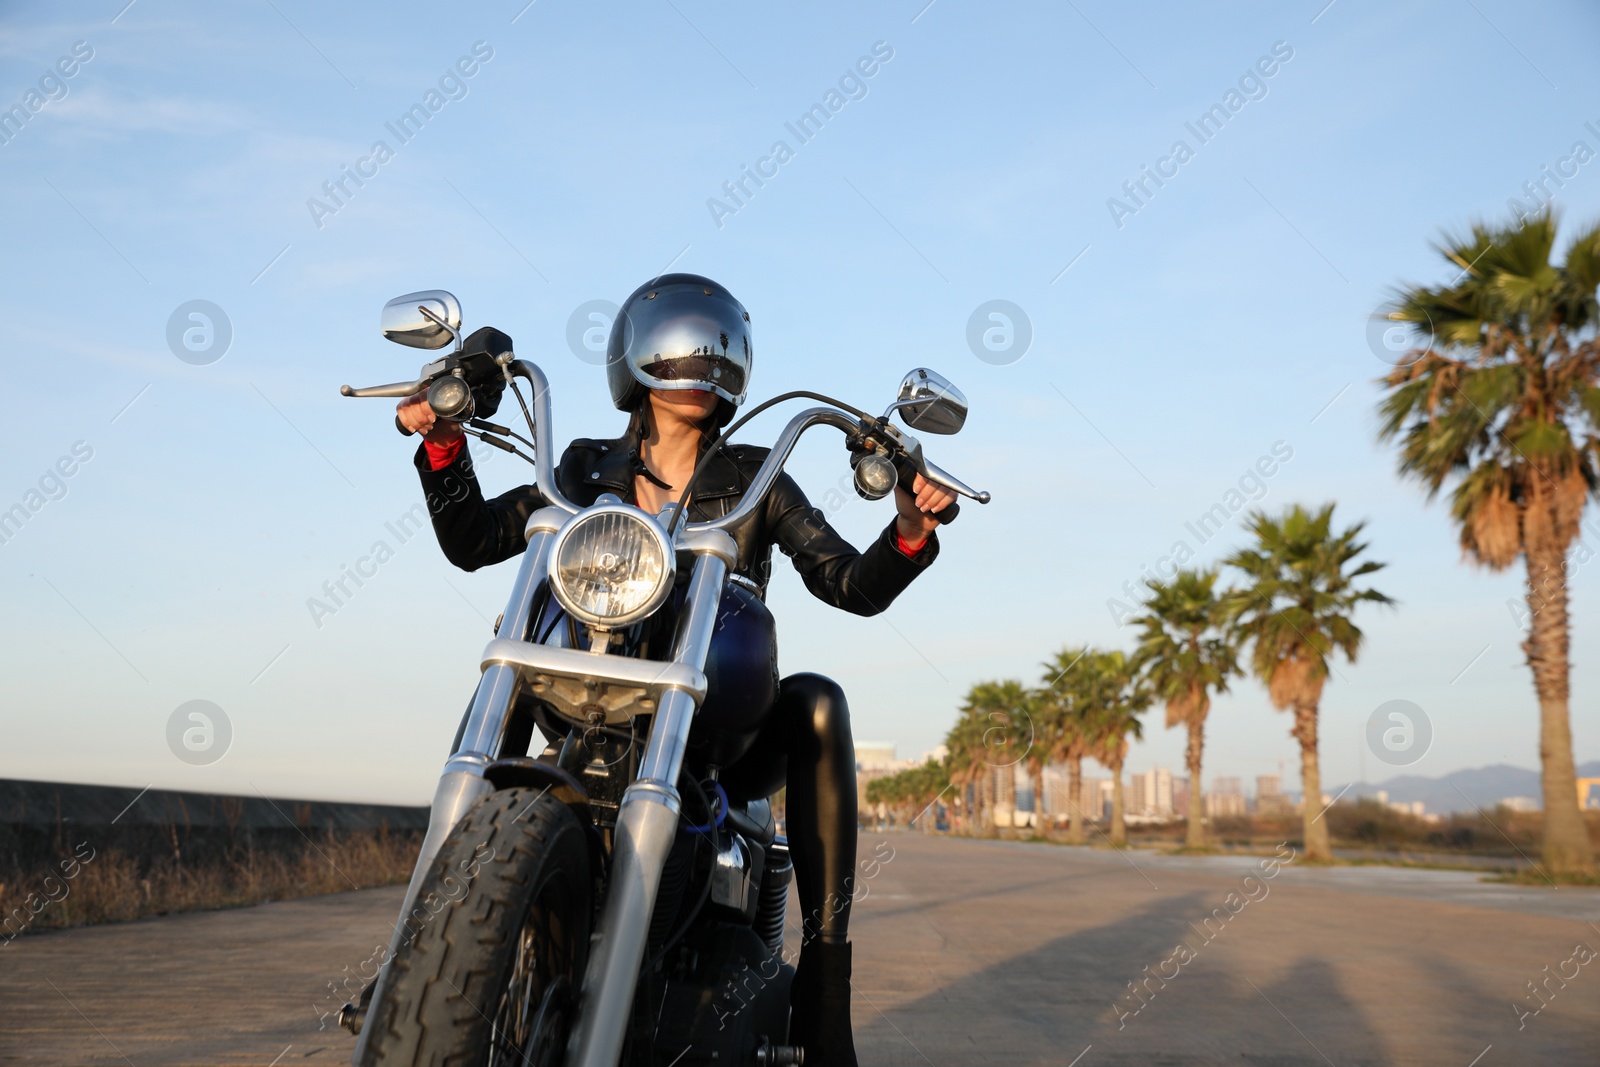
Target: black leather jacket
x,y
474,532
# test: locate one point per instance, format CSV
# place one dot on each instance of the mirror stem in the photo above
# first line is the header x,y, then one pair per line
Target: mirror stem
x,y
451,330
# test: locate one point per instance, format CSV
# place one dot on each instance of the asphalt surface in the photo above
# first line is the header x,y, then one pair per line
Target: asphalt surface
x,y
967,952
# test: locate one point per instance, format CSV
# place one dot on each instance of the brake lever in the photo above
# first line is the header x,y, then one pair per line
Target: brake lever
x,y
946,480
910,462
391,390
908,477
402,389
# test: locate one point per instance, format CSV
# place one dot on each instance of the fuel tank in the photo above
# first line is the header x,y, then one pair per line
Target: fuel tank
x,y
741,679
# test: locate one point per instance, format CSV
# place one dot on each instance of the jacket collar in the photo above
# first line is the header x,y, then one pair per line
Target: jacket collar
x,y
615,468
722,476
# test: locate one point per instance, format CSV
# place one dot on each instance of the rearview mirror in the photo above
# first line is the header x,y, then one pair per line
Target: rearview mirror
x,y
404,324
928,402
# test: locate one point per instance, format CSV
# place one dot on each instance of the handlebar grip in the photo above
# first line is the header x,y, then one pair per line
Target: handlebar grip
x,y
908,478
403,431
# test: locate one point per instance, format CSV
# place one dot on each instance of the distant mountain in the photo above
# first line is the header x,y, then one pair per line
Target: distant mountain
x,y
1460,790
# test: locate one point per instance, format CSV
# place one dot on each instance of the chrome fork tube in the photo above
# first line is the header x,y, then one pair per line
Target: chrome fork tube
x,y
462,784
647,823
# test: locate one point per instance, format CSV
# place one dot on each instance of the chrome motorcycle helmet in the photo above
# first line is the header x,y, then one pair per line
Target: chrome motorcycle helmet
x,y
680,331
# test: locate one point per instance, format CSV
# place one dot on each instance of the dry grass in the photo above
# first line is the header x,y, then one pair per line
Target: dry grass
x,y
81,876
1537,875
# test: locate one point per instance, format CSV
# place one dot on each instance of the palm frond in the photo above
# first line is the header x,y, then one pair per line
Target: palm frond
x,y
1505,402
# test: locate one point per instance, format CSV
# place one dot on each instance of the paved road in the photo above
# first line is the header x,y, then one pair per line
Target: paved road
x,y
968,953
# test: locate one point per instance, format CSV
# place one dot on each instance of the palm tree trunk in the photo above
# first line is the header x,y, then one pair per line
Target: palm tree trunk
x,y
1119,828
996,798
1316,831
983,825
1075,799
1195,831
1566,838
1008,793
1038,801
980,805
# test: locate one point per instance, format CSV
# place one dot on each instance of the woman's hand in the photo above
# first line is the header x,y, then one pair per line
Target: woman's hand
x,y
415,415
917,508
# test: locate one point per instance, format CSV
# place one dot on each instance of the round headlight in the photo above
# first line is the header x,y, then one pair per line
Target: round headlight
x,y
612,566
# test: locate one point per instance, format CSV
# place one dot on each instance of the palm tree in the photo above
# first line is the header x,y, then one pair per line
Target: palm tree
x,y
1042,726
912,792
1187,651
1296,614
1503,401
1061,706
967,767
1008,738
1114,695
990,738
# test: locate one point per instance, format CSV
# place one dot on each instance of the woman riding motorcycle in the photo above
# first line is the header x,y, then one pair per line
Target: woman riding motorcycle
x,y
679,361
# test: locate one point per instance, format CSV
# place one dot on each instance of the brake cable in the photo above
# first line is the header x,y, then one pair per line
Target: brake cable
x,y
503,431
502,445
682,506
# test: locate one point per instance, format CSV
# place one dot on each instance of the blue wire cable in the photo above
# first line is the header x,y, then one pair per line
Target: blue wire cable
x,y
722,813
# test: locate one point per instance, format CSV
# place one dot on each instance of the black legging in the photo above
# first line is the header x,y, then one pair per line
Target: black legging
x,y
805,743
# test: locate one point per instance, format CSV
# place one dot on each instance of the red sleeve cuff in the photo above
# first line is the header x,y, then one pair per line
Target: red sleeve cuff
x,y
441,456
906,548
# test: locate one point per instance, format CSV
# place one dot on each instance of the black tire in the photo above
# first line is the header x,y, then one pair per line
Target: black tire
x,y
507,946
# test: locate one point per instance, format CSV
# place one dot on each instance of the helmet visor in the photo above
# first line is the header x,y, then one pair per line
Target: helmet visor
x,y
682,337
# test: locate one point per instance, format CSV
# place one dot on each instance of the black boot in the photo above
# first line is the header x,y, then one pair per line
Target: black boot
x,y
819,1001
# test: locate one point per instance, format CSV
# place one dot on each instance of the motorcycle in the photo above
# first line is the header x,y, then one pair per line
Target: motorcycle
x,y
604,902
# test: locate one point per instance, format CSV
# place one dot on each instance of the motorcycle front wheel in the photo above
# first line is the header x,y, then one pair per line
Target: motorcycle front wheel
x,y
497,944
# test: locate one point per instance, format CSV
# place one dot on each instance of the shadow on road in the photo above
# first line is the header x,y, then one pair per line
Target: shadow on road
x,y
1049,1005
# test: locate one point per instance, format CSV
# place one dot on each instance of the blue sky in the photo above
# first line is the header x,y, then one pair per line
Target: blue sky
x,y
1172,346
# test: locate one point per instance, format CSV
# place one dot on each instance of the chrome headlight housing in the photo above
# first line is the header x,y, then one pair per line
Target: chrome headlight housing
x,y
611,566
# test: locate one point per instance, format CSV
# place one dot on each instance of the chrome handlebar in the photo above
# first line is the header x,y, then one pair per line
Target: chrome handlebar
x,y
544,449
754,495
761,484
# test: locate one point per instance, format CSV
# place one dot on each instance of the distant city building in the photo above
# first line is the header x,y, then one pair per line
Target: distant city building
x,y
1057,791
874,759
1225,798
1270,798
1022,793
874,755
1275,804
1150,794
1218,805
1521,804
1097,798
1414,807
